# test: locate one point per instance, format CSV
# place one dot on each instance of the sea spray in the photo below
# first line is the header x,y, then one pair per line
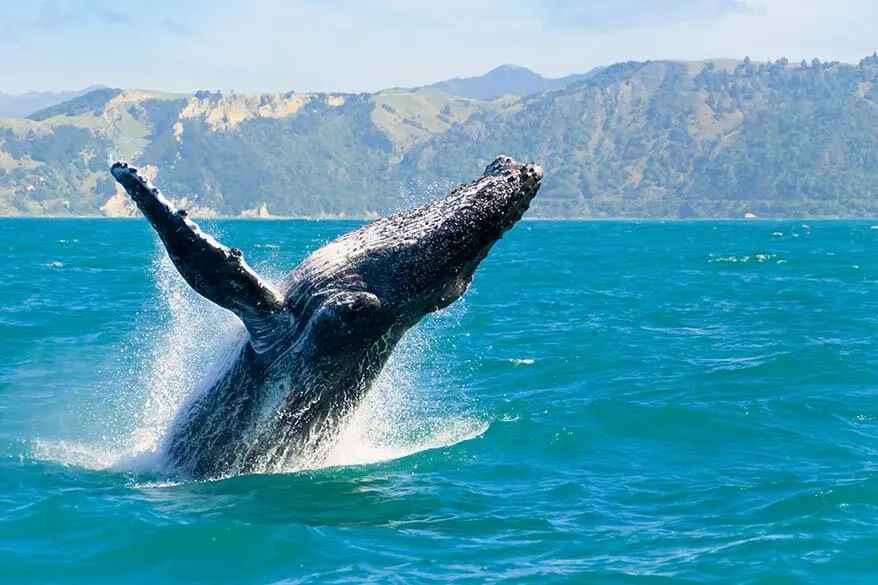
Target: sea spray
x,y
170,361
198,342
408,409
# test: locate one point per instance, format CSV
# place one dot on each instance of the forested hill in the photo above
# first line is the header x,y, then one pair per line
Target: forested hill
x,y
652,139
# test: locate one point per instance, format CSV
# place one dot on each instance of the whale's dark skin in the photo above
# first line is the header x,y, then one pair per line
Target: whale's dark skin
x,y
319,338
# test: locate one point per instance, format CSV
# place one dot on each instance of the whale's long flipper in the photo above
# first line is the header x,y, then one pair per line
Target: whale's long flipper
x,y
213,270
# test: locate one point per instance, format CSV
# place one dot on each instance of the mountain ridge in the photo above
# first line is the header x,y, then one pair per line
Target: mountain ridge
x,y
638,139
25,104
505,80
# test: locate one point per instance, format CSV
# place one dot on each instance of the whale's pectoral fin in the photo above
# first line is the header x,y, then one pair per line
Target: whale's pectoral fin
x,y
213,270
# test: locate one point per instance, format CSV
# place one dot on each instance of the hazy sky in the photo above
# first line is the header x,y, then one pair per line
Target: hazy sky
x,y
364,45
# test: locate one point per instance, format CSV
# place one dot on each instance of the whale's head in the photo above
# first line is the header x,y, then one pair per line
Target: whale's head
x,y
391,273
425,258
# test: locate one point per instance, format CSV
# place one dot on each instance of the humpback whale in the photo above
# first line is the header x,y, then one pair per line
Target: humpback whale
x,y
316,340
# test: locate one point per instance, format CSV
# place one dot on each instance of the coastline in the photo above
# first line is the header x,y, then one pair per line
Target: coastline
x,y
526,219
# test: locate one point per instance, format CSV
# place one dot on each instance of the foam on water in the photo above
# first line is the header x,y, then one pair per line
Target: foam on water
x,y
182,356
400,416
197,344
74,454
758,258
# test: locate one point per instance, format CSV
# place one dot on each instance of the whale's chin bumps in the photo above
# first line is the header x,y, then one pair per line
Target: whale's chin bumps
x,y
318,340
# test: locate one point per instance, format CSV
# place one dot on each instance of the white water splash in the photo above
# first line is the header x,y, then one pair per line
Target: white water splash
x,y
74,454
402,415
197,344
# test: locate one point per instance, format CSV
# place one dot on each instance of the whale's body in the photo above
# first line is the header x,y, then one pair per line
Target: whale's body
x,y
318,339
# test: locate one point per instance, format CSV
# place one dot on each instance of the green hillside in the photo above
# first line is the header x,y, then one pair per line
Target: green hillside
x,y
654,139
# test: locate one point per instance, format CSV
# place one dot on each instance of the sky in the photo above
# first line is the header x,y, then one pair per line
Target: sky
x,y
366,45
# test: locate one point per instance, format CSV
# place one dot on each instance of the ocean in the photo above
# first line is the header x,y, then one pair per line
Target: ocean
x,y
611,402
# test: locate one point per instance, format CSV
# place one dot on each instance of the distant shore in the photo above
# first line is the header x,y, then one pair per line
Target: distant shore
x,y
526,219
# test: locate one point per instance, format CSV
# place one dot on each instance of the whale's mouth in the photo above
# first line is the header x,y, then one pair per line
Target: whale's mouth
x,y
531,179
526,179
467,226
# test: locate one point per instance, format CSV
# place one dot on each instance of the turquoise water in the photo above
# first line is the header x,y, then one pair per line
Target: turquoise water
x,y
611,401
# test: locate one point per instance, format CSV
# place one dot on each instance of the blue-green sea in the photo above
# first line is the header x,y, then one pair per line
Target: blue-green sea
x,y
611,402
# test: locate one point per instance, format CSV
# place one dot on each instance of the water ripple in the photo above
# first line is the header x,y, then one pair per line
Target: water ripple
x,y
674,402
